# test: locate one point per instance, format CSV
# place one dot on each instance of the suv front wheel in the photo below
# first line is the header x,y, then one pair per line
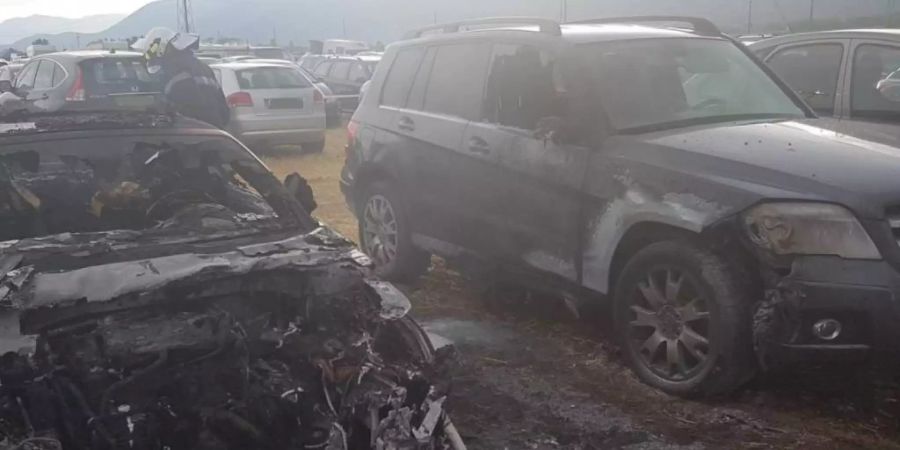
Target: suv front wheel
x,y
684,320
385,234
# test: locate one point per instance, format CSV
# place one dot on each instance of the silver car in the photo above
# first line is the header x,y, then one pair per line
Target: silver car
x,y
87,80
272,104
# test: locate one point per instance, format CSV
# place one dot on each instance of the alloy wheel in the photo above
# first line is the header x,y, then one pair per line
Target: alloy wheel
x,y
669,324
380,232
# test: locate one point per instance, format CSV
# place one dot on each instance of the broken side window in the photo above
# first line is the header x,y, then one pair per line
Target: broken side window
x,y
523,87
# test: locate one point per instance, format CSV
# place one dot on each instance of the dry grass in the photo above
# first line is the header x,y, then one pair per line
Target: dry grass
x,y
323,173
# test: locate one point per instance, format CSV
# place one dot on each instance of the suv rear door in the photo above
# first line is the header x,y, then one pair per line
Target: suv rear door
x,y
814,69
426,120
282,99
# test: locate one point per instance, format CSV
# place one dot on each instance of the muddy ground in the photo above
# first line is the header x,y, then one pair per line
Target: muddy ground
x,y
532,376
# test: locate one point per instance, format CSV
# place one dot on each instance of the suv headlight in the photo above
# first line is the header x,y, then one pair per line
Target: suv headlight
x,y
809,229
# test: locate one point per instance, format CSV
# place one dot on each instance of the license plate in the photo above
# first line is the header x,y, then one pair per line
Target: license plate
x,y
284,103
134,101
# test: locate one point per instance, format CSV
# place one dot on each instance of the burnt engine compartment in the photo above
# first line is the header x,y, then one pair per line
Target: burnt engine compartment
x,y
273,371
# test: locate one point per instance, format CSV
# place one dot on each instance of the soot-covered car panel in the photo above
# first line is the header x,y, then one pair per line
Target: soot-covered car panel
x,y
168,292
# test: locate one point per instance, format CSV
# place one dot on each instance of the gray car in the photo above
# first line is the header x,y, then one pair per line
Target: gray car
x,y
846,74
87,80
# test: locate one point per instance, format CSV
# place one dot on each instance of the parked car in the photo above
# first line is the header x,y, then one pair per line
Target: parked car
x,y
345,75
159,285
272,104
8,75
848,74
660,167
91,79
332,107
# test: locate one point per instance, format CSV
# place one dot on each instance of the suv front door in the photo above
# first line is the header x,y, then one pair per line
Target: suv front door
x,y
533,213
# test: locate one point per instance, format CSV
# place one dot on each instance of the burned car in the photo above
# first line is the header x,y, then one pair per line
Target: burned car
x,y
650,161
162,290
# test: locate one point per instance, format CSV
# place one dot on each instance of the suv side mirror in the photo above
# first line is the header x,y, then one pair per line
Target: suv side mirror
x,y
299,188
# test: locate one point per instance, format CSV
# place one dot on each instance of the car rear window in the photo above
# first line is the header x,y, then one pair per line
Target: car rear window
x,y
271,78
117,76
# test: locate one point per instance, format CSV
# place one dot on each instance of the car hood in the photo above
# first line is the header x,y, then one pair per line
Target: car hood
x,y
793,159
56,279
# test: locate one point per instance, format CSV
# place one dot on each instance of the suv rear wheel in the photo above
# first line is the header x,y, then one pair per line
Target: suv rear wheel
x,y
385,234
684,320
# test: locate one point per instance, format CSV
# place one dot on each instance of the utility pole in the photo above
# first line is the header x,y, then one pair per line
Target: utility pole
x,y
750,17
812,12
344,26
184,16
564,11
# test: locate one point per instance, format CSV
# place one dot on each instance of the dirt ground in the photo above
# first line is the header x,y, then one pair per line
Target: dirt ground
x,y
532,376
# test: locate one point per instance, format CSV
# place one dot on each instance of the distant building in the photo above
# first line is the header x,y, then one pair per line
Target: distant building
x,y
35,50
108,45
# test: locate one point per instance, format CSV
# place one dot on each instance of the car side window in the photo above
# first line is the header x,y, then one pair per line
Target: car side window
x,y
875,82
341,70
523,87
323,68
25,80
417,91
59,75
44,78
358,73
456,84
812,71
400,77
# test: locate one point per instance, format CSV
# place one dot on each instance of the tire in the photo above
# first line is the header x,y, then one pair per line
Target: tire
x,y
670,298
314,147
388,240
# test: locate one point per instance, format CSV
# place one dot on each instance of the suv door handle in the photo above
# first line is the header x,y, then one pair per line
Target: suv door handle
x,y
406,124
478,145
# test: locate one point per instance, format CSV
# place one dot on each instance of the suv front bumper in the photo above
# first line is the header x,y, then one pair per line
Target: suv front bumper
x,y
863,296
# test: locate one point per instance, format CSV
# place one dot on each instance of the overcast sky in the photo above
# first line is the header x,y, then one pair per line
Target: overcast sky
x,y
67,8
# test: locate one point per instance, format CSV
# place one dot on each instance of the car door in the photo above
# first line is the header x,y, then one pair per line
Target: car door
x,y
873,89
532,214
814,69
448,188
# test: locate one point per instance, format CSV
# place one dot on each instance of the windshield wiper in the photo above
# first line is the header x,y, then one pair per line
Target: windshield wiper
x,y
705,121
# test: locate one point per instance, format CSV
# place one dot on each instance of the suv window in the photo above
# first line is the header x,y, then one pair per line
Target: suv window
x,y
341,70
403,70
25,79
117,75
323,68
523,87
812,71
653,84
358,73
875,90
456,84
44,78
59,74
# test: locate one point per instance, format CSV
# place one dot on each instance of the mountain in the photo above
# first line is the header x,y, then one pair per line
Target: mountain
x,y
21,27
298,21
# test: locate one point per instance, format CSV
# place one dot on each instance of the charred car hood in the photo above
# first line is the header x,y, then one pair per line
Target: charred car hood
x,y
791,160
51,280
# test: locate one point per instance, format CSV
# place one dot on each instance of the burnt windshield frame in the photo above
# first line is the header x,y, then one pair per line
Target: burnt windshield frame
x,y
576,52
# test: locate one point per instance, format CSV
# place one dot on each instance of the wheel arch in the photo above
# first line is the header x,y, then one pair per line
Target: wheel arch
x,y
367,175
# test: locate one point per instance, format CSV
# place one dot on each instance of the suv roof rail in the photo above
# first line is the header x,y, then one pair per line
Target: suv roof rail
x,y
546,26
701,26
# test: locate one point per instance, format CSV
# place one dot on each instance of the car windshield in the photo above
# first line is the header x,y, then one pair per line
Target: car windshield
x,y
667,83
195,184
117,75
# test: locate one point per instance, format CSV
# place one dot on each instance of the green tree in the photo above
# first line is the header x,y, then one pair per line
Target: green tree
x,y
40,41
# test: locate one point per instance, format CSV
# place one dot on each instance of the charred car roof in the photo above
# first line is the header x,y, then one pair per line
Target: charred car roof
x,y
57,122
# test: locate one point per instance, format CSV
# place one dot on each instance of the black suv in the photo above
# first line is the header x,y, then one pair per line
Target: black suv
x,y
660,165
169,292
345,76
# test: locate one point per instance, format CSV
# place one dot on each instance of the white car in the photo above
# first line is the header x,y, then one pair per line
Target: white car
x,y
272,104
